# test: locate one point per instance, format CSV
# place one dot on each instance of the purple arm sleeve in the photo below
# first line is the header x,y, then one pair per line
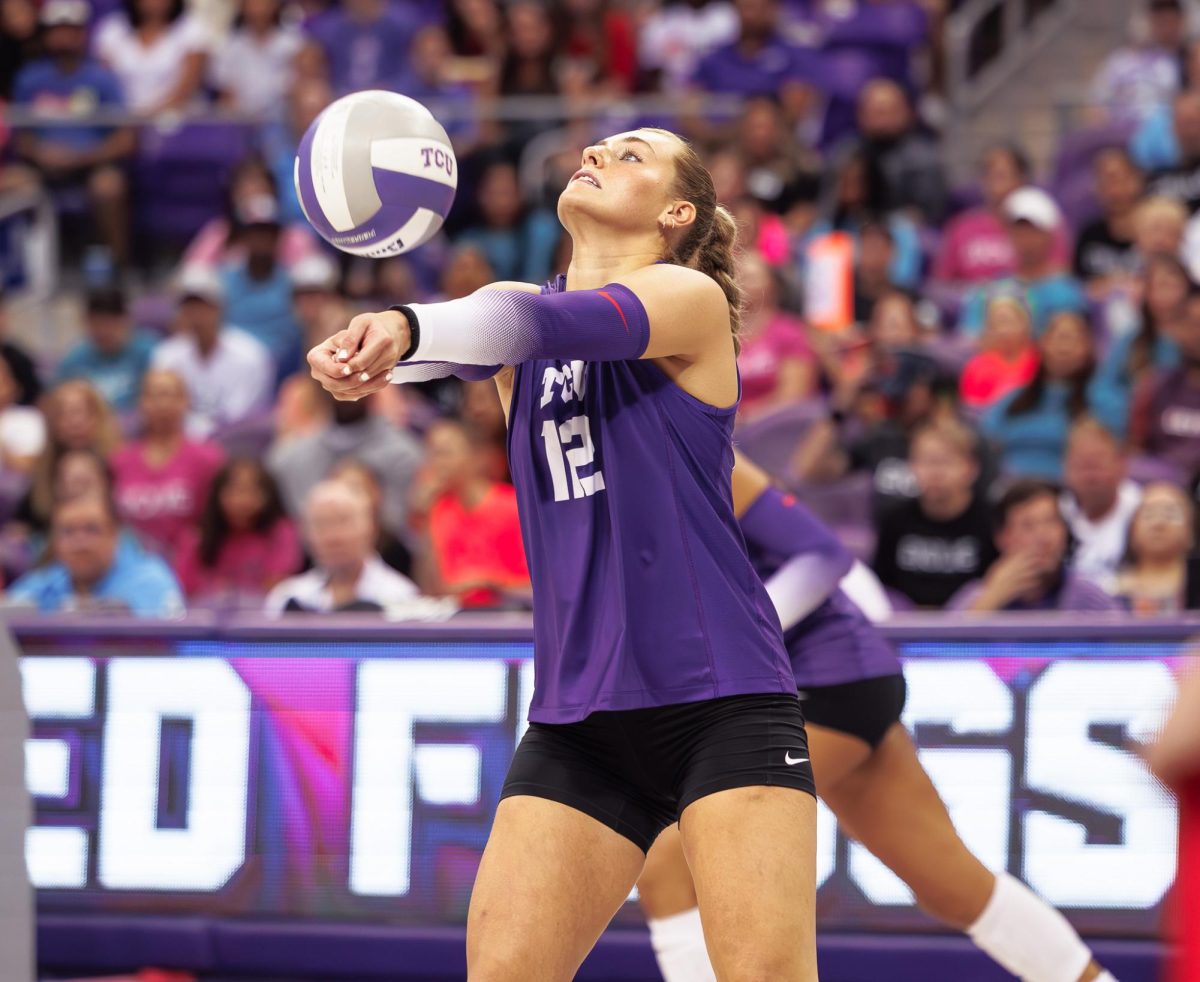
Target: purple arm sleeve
x,y
509,327
817,563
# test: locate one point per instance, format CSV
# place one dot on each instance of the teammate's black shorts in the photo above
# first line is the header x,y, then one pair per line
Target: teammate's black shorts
x,y
865,709
636,770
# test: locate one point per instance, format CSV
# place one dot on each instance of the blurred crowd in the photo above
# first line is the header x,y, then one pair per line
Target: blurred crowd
x,y
992,390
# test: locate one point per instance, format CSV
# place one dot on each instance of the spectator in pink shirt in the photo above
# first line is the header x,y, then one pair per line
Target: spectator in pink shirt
x,y
162,479
776,362
245,544
976,245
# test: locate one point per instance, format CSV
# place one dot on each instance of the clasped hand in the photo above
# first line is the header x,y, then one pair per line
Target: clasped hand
x,y
359,360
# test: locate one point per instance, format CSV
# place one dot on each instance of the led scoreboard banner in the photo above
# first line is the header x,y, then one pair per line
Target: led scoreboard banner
x,y
351,772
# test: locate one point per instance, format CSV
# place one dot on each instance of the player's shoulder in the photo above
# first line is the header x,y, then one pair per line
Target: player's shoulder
x,y
679,283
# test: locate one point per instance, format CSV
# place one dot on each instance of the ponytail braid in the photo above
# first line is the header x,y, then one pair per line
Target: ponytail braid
x,y
709,244
716,257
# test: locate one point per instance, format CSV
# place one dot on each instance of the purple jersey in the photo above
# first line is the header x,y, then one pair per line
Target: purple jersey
x,y
835,643
643,592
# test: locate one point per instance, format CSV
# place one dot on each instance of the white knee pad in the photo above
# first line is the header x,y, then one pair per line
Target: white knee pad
x,y
678,943
1027,936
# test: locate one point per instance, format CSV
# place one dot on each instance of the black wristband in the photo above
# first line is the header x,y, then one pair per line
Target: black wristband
x,y
414,329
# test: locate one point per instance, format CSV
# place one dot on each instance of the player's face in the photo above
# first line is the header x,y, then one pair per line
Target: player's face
x,y
624,181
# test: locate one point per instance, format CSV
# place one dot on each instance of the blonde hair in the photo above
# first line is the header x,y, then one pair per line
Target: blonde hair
x,y
108,438
709,244
1159,206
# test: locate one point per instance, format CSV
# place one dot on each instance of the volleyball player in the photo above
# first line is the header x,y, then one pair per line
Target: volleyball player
x,y
867,769
662,690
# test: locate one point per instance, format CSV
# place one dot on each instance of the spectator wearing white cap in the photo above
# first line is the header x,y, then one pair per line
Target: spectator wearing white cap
x,y
1033,219
70,86
229,375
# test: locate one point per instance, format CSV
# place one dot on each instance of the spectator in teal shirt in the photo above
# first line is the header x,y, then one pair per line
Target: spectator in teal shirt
x,y
518,245
1033,220
1030,426
258,288
114,356
90,573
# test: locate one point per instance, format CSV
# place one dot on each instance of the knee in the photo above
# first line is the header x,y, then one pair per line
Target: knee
x,y
496,964
107,184
768,969
20,179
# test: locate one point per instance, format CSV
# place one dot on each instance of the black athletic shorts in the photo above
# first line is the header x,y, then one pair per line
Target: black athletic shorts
x,y
865,709
636,770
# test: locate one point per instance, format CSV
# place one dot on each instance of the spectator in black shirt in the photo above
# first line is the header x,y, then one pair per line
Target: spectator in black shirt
x,y
932,545
1105,259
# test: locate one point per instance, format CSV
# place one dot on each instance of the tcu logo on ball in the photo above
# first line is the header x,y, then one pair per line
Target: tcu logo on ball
x,y
437,157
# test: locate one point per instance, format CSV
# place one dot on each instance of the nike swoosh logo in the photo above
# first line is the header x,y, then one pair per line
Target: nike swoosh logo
x,y
787,759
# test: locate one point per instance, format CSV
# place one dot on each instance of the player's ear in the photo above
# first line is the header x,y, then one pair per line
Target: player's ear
x,y
677,215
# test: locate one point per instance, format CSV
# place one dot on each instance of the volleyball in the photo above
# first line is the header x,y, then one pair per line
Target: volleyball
x,y
376,174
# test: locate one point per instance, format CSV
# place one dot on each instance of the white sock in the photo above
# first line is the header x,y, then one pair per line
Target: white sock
x,y
678,943
1105,977
1027,936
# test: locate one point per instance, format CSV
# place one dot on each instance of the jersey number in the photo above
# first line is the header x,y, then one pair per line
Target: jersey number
x,y
562,458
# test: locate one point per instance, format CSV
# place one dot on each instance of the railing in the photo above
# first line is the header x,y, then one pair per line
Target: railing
x,y
988,42
38,243
506,109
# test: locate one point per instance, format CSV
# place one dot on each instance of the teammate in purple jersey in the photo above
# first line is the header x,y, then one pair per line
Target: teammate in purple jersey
x,y
866,767
663,691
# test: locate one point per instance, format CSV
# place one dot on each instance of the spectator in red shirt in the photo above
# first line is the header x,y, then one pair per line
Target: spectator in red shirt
x,y
162,479
245,544
475,549
1008,358
602,32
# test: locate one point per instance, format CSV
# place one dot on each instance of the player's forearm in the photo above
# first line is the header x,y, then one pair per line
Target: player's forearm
x,y
817,560
502,327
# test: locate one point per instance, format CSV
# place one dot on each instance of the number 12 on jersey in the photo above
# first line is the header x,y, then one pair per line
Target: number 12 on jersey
x,y
562,458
